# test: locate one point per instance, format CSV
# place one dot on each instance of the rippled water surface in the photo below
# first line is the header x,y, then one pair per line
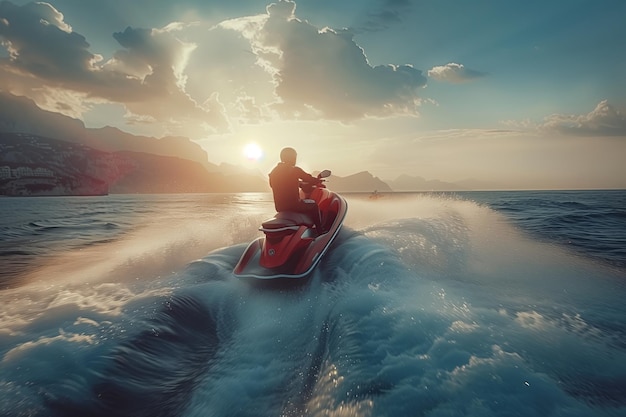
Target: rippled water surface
x,y
466,304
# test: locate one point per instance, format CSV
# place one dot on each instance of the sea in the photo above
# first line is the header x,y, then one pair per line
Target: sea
x,y
427,304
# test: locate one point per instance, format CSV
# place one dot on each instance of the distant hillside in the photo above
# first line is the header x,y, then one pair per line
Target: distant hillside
x,y
50,166
154,174
360,182
21,115
35,165
142,164
31,165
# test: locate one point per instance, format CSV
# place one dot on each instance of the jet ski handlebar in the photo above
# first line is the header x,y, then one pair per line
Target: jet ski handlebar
x,y
308,186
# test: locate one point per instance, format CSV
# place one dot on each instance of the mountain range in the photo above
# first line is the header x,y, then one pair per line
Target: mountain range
x,y
98,161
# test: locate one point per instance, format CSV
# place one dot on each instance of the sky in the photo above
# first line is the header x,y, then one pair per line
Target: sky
x,y
522,94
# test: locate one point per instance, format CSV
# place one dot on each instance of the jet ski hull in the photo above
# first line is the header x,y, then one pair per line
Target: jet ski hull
x,y
296,254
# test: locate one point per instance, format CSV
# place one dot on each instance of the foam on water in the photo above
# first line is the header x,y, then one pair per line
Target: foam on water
x,y
425,306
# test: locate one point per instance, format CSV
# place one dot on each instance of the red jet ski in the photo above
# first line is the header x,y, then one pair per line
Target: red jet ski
x,y
292,246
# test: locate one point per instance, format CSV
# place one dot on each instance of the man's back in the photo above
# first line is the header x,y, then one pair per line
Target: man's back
x,y
284,180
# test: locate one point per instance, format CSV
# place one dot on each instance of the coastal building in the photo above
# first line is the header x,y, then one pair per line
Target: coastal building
x,y
43,173
5,172
23,172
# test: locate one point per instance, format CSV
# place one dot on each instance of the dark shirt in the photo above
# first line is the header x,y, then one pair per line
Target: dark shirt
x,y
284,180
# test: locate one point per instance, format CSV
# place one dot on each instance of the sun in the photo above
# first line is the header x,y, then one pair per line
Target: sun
x,y
253,152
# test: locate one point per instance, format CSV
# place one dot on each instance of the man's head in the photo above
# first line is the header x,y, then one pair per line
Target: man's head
x,y
288,156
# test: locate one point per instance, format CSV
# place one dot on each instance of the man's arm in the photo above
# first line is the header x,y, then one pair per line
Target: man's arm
x,y
304,176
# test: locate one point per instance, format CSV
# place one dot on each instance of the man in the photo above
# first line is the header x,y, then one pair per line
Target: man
x,y
285,179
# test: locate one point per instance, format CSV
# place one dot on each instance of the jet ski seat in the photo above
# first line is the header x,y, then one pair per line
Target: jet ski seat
x,y
286,220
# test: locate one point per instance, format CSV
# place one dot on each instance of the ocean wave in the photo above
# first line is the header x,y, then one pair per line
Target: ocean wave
x,y
439,308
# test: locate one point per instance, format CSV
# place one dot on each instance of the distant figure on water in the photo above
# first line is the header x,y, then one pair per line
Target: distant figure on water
x,y
375,195
285,182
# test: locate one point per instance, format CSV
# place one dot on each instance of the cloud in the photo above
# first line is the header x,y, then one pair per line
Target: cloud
x,y
604,120
282,10
199,78
454,73
147,76
323,73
